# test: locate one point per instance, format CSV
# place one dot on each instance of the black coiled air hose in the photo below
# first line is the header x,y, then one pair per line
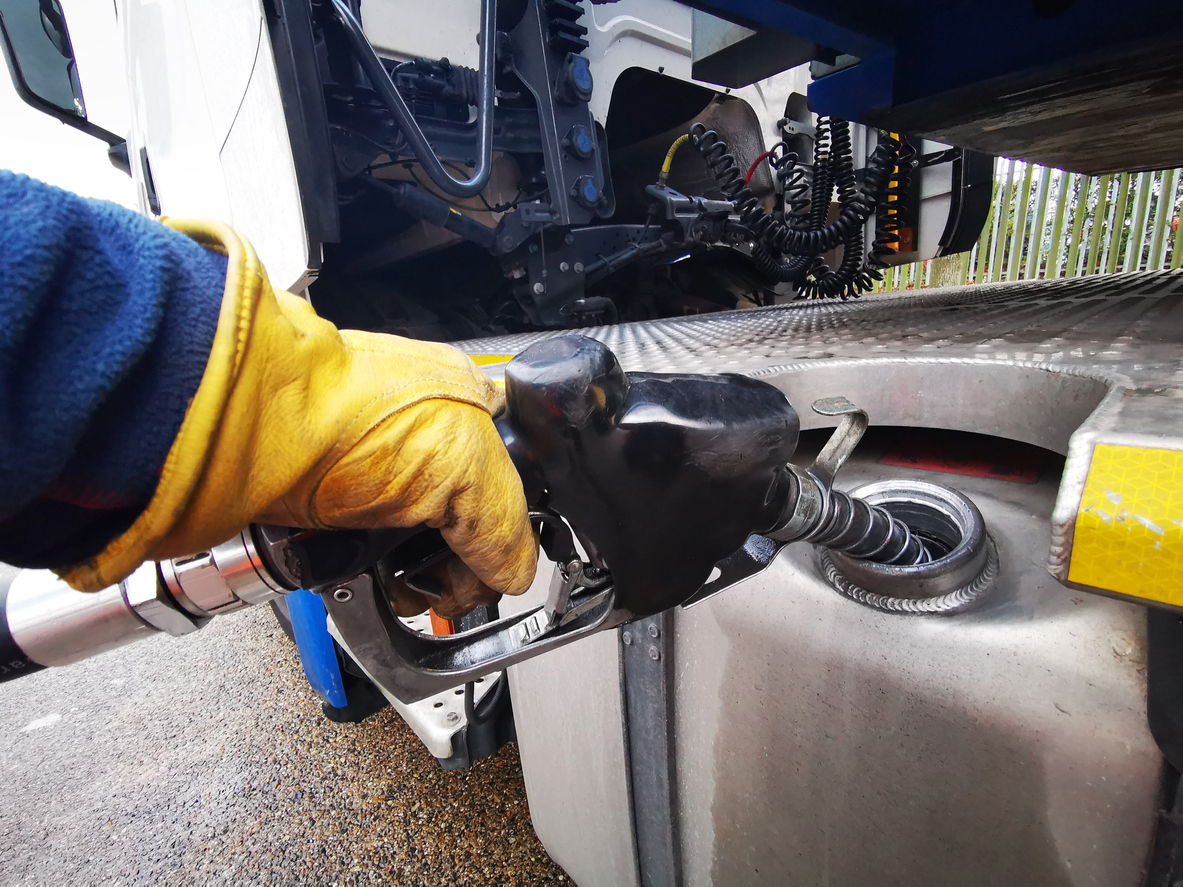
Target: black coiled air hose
x,y
823,178
729,178
792,271
843,282
851,216
833,168
793,185
889,213
797,215
772,236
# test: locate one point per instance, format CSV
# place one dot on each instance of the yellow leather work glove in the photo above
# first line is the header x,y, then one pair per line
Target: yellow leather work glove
x,y
298,423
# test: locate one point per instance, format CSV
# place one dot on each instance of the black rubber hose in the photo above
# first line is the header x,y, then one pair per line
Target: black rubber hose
x,y
794,188
795,195
431,209
850,278
13,661
490,702
823,183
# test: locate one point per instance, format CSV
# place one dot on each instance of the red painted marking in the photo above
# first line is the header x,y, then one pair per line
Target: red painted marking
x,y
971,456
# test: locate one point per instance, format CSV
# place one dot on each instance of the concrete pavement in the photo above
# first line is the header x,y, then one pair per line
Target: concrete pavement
x,y
206,759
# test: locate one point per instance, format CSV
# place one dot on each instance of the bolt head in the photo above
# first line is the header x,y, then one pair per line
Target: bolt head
x,y
342,595
539,289
654,653
533,247
564,267
569,239
626,639
579,267
653,630
452,717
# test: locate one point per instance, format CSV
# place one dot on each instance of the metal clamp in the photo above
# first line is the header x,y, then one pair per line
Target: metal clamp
x,y
791,127
228,577
558,611
144,593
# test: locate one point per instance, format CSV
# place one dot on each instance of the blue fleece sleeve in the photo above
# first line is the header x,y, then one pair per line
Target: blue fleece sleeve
x,y
106,321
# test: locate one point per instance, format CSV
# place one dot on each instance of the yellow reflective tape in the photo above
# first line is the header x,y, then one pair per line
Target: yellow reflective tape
x,y
484,360
1129,529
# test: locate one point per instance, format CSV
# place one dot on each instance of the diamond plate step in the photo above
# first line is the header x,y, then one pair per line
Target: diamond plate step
x,y
1088,367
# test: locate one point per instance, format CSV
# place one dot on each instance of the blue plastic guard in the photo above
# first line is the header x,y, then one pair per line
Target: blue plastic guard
x,y
317,653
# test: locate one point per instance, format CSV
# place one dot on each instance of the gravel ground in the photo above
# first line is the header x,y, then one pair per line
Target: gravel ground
x,y
206,760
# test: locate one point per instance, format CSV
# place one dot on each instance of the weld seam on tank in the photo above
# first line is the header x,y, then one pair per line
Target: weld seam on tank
x,y
953,583
959,601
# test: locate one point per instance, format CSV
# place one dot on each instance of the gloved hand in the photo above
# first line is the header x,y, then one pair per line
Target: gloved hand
x,y
298,423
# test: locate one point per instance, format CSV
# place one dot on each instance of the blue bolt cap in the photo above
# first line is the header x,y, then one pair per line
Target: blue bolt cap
x,y
581,73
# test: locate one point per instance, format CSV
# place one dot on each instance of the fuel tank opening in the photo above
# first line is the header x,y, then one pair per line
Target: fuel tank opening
x,y
964,558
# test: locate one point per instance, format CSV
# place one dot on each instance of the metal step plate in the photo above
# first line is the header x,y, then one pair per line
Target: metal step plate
x,y
1088,367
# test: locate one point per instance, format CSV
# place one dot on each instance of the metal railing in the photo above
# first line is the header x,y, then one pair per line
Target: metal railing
x,y
1050,223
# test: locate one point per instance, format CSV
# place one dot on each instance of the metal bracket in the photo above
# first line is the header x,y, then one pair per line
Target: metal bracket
x,y
647,682
790,127
814,482
755,557
538,66
558,611
844,439
520,224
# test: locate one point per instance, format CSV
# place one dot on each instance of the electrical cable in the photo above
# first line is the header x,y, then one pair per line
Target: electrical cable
x,y
776,234
490,702
847,280
497,208
747,179
422,204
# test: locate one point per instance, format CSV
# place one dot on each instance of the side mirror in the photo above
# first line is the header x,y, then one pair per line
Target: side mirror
x,y
40,59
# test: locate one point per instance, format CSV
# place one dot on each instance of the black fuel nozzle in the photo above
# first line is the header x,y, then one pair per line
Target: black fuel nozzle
x,y
661,475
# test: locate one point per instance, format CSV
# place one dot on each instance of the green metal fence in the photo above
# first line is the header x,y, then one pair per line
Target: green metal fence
x,y
1050,223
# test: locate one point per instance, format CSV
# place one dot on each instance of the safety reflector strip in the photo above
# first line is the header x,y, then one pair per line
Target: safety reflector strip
x,y
1129,527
